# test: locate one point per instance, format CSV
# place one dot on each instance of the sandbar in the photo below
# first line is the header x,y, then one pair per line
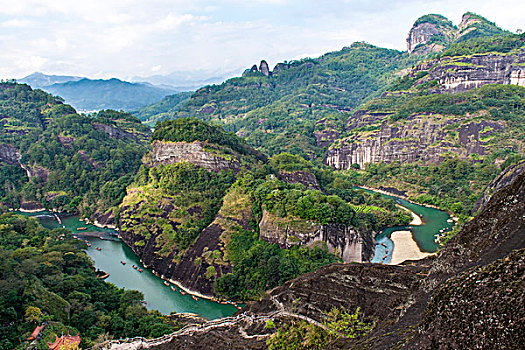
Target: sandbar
x,y
405,248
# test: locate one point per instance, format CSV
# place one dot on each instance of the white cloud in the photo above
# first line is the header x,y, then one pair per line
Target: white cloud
x,y
17,23
122,38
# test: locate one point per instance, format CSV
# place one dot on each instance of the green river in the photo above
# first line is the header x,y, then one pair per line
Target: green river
x,y
112,251
161,297
434,221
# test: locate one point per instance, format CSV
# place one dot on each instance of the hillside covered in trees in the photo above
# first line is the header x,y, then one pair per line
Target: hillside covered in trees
x,y
54,157
47,278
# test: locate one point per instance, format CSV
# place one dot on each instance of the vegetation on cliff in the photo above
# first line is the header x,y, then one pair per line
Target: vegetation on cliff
x,y
278,112
47,277
75,162
456,182
259,265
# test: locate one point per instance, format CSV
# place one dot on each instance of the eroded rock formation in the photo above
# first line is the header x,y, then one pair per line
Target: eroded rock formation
x,y
420,137
164,152
344,241
430,33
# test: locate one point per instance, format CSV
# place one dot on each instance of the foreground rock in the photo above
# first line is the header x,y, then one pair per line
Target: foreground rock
x,y
469,296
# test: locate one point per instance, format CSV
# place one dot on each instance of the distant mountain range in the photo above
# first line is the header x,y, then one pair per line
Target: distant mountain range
x,y
39,80
189,80
90,95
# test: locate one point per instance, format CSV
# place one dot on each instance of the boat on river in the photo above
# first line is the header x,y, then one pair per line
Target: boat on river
x,y
122,262
134,266
195,298
98,248
182,292
139,270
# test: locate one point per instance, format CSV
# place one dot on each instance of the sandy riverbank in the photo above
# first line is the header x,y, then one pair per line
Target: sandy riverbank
x,y
416,219
405,248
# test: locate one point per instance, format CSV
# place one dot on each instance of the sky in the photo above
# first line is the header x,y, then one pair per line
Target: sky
x,y
129,38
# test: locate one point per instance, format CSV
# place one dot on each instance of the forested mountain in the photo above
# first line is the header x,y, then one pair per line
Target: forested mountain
x,y
277,112
93,95
48,279
202,208
163,109
53,157
456,114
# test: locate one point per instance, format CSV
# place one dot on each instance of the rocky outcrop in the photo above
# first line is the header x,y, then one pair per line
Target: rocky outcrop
x,y
505,178
421,137
434,33
473,26
9,154
462,73
189,269
263,68
345,242
165,152
302,177
31,206
113,131
430,33
205,259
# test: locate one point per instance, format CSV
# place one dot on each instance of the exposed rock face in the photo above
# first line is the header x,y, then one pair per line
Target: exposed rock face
x,y
459,74
106,219
421,137
502,180
478,309
187,271
164,152
430,33
346,242
112,131
9,154
303,177
434,33
263,68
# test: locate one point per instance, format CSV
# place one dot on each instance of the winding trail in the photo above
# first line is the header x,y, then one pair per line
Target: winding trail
x,y
239,322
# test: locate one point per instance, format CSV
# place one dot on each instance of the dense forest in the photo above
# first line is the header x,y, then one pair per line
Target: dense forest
x,y
78,163
46,277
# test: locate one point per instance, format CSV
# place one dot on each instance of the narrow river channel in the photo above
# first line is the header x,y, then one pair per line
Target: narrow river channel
x,y
112,251
434,221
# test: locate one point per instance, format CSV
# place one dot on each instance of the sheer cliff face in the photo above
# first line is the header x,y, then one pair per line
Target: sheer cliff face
x,y
431,33
420,137
459,74
163,153
434,33
345,242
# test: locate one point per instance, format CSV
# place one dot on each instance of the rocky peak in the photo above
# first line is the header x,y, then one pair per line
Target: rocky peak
x,y
473,26
263,68
430,33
